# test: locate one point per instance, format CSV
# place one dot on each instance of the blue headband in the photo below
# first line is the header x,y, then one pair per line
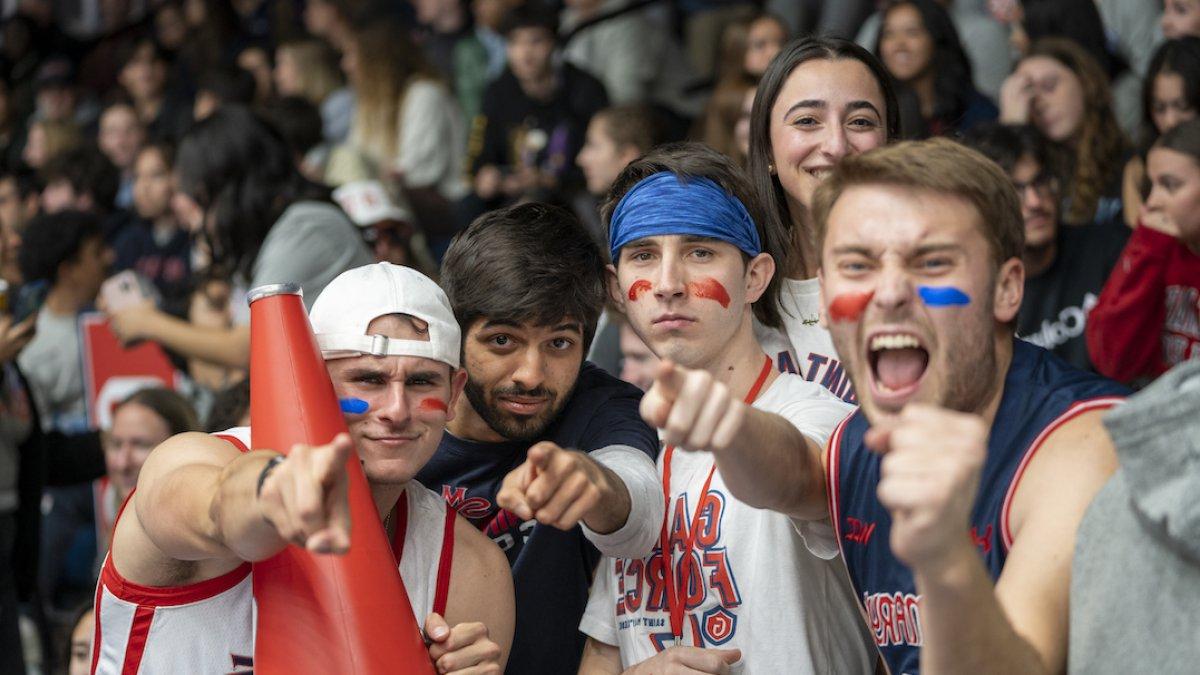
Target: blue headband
x,y
664,204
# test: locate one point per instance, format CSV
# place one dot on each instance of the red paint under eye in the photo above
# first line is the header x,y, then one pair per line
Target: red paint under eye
x,y
849,306
433,404
709,289
638,288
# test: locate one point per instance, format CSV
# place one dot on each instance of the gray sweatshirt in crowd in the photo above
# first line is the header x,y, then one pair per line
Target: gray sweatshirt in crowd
x,y
1135,583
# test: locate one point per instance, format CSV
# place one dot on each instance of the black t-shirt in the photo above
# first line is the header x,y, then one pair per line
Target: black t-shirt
x,y
503,135
1054,312
167,262
552,569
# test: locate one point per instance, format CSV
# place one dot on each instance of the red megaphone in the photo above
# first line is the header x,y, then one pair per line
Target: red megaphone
x,y
320,613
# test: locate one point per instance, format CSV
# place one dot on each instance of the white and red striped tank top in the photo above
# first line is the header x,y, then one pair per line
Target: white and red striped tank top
x,y
208,626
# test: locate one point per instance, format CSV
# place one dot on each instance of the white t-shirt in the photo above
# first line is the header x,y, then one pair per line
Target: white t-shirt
x,y
803,347
764,591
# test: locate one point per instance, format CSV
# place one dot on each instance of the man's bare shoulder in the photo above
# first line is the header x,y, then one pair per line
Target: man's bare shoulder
x,y
1063,475
477,552
184,449
140,552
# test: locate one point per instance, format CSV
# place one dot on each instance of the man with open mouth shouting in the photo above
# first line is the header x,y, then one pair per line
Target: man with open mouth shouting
x,y
957,488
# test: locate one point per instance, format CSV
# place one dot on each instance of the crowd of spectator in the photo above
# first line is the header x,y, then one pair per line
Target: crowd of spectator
x,y
158,158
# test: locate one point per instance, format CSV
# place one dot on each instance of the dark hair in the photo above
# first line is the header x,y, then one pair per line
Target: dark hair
x,y
352,11
131,49
26,179
633,124
86,607
230,84
529,263
53,239
1076,20
298,121
1006,144
770,192
165,150
696,160
1181,57
229,406
1184,139
173,408
952,85
529,16
88,171
208,44
239,168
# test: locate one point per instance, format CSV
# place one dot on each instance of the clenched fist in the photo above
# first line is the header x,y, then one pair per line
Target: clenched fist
x,y
694,410
466,648
929,478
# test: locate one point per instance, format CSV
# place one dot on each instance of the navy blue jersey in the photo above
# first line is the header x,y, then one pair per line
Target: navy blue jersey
x,y
552,569
1041,392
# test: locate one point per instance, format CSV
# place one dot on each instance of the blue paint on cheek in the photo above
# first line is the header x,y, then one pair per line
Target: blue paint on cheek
x,y
353,406
943,296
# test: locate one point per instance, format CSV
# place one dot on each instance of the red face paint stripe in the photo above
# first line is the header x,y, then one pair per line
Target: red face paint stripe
x,y
709,289
849,306
432,404
637,288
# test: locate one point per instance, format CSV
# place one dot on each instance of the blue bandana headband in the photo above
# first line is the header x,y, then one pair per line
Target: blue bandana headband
x,y
664,204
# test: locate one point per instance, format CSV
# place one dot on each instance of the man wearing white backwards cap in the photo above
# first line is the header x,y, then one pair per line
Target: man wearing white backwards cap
x,y
175,591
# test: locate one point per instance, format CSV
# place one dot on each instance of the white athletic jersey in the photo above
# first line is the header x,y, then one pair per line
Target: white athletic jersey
x,y
764,590
208,627
803,347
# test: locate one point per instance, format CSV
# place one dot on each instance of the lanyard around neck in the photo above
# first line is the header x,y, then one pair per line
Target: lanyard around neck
x,y
677,594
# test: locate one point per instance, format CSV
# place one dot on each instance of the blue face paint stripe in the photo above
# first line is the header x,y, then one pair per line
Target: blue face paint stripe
x,y
943,296
353,406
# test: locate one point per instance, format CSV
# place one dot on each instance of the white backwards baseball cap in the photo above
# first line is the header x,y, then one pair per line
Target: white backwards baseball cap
x,y
357,297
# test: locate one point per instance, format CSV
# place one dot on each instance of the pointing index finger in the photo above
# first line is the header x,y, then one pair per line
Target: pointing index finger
x,y
669,377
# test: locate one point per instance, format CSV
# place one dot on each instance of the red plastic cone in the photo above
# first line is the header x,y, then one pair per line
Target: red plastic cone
x,y
320,614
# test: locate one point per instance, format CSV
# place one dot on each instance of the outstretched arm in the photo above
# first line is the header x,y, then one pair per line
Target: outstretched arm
x,y
763,458
222,346
198,499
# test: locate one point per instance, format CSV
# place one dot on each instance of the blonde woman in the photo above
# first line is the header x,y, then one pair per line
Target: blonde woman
x,y
48,139
407,127
309,69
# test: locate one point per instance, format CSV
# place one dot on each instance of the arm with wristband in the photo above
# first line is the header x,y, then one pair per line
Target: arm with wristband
x,y
765,460
202,507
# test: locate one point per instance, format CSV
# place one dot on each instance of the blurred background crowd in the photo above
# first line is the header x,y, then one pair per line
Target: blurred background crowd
x,y
158,159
